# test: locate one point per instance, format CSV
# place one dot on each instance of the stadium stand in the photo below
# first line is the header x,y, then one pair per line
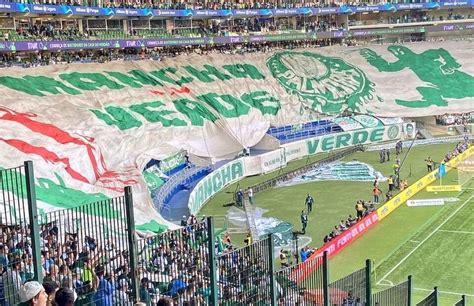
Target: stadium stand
x,y
88,241
291,133
182,180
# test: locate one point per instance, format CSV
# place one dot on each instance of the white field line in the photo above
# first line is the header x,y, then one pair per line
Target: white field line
x,y
431,290
456,232
426,239
445,292
414,241
387,283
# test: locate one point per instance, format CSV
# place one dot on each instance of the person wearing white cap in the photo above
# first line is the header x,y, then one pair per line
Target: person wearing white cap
x,y
32,294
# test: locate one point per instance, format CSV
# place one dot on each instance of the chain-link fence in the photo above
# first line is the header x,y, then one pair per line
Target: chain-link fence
x,y
398,295
244,275
430,300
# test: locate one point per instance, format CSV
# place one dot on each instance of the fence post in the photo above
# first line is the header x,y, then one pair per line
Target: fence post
x,y
33,219
368,278
326,278
271,264
436,295
132,242
212,262
410,284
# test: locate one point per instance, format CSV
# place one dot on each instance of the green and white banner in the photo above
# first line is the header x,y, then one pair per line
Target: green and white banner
x,y
91,128
272,160
341,140
215,182
172,162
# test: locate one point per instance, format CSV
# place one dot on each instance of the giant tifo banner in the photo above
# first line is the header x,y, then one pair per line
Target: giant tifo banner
x,y
91,128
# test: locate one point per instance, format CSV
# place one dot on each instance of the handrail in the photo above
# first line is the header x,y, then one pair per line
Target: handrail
x,y
289,175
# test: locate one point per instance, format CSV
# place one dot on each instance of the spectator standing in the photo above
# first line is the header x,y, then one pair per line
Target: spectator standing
x,y
165,302
32,294
50,289
105,289
387,154
65,297
145,296
12,283
120,295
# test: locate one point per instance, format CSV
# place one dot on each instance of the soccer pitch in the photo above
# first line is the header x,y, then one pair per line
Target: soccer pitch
x,y
439,257
440,253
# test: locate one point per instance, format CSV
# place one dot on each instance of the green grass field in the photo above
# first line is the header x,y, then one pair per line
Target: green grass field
x,y
409,241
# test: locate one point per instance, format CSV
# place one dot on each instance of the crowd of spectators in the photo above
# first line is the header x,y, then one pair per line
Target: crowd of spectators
x,y
175,5
92,269
172,265
109,55
239,27
455,119
458,149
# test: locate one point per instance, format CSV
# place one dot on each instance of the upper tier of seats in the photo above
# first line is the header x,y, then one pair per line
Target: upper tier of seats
x,y
289,133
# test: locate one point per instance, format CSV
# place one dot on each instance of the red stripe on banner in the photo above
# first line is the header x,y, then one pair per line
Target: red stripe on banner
x,y
53,132
46,155
181,90
335,246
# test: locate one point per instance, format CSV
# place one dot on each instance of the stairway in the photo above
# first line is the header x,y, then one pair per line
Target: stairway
x,y
250,220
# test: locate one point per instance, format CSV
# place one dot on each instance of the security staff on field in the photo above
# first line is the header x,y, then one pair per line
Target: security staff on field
x,y
429,164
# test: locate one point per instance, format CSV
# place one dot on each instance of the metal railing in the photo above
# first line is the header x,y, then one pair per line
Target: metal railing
x,y
431,299
313,290
245,275
93,249
398,295
350,289
301,170
19,249
175,264
462,301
